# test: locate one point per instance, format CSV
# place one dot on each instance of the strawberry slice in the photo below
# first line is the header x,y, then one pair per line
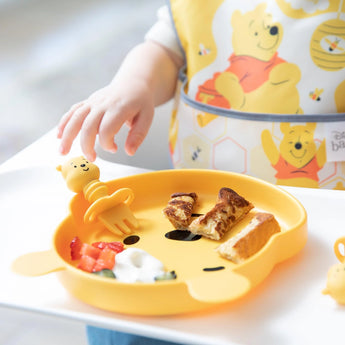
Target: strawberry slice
x,y
88,250
117,247
75,246
87,263
106,260
95,257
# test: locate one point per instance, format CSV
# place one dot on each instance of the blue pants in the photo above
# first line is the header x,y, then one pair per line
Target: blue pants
x,y
100,336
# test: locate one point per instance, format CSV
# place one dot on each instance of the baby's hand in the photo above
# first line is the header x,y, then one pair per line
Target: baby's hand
x,y
104,113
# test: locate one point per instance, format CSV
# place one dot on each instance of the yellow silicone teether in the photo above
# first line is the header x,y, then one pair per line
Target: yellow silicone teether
x,y
336,274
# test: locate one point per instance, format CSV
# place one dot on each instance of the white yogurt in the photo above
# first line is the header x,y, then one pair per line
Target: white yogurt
x,y
136,265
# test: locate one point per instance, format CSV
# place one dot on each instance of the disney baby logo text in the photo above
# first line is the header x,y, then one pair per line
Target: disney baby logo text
x,y
338,140
335,141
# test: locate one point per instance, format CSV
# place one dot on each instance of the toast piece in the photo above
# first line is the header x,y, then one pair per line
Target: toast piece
x,y
251,239
179,209
229,209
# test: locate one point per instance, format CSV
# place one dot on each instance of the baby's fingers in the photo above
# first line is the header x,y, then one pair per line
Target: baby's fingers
x,y
110,125
66,117
72,128
89,133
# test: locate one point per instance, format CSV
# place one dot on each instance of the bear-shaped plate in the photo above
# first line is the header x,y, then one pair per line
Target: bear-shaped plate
x,y
200,283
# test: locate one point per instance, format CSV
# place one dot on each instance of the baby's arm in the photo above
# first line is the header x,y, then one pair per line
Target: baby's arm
x,y
147,78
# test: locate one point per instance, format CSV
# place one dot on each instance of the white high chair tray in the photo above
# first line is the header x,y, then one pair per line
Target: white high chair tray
x,y
288,307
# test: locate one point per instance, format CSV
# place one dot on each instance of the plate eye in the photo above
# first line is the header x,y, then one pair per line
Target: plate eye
x,y
131,239
182,235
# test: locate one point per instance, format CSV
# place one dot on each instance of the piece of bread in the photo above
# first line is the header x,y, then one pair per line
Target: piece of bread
x,y
179,209
251,239
229,209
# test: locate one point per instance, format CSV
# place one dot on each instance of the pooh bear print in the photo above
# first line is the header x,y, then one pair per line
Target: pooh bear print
x,y
298,159
251,94
256,73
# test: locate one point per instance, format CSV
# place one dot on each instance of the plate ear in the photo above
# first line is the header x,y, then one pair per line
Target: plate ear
x,y
38,263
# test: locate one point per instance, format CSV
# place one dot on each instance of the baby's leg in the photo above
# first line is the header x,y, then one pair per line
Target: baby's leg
x,y
101,336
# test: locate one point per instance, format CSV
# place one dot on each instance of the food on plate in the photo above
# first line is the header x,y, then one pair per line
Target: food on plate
x,y
112,260
75,246
166,276
179,209
94,259
229,210
115,246
136,265
251,239
96,256
106,272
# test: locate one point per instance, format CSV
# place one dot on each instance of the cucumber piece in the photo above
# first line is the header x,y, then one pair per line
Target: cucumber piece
x,y
166,276
105,273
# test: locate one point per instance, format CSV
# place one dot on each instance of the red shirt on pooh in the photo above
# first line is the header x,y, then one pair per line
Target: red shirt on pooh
x,y
251,74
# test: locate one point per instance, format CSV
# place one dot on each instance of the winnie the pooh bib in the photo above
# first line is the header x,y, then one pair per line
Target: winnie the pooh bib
x,y
263,89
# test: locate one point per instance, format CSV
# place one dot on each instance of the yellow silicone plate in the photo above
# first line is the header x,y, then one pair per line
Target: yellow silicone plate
x,y
195,288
